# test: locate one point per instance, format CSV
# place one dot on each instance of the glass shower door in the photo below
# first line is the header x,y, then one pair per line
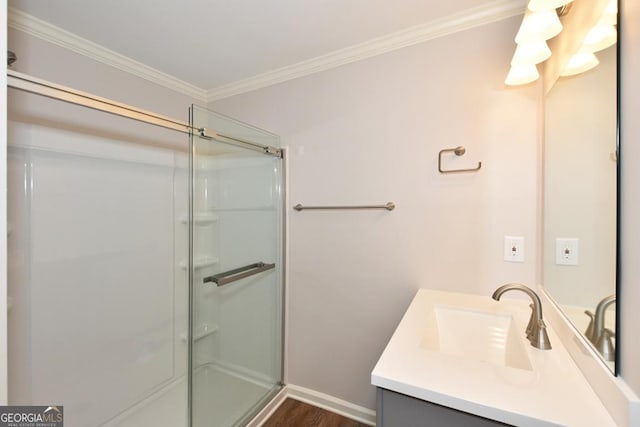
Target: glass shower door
x,y
236,272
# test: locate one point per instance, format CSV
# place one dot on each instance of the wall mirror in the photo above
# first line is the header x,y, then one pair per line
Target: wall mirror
x,y
580,201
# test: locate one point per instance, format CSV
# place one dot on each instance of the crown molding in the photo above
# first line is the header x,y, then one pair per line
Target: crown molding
x,y
470,18
50,33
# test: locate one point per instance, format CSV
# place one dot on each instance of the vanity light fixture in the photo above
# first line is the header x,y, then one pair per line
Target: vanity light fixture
x,y
601,36
540,23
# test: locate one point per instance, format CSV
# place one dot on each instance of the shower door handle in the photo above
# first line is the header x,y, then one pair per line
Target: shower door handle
x,y
227,277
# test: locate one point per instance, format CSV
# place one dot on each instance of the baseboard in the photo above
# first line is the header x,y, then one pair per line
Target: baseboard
x,y
315,398
333,404
269,409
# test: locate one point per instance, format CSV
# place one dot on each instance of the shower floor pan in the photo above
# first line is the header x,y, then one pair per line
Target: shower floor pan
x,y
220,398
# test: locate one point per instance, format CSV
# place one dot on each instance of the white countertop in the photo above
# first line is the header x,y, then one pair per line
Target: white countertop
x,y
554,392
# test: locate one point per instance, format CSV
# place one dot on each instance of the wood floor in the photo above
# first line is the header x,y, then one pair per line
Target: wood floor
x,y
293,413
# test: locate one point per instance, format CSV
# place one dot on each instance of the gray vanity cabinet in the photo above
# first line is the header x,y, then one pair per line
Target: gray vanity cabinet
x,y
398,410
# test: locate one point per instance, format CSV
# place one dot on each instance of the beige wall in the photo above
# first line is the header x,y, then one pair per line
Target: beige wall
x,y
630,198
370,132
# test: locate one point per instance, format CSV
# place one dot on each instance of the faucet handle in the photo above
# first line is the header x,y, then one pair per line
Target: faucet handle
x,y
532,321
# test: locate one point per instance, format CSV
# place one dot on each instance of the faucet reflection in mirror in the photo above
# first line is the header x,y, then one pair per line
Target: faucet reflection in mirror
x,y
541,22
601,337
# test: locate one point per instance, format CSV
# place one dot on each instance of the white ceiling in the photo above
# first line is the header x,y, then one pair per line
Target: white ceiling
x,y
214,43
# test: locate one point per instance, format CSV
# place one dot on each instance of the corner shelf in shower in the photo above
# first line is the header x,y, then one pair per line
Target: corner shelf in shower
x,y
200,262
200,218
201,332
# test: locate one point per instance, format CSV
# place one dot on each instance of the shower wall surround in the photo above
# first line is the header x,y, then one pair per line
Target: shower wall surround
x,y
99,316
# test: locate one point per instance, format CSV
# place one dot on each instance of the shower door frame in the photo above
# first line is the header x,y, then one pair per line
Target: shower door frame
x,y
265,150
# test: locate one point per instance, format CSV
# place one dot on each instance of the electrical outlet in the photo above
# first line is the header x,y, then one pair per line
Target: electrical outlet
x,y
567,251
514,248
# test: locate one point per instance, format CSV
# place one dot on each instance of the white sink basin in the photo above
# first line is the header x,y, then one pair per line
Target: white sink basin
x,y
476,335
470,353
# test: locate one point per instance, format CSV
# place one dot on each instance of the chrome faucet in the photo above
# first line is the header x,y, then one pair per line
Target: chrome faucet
x,y
536,329
597,333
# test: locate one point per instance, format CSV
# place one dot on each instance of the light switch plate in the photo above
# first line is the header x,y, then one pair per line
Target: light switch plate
x,y
567,251
514,248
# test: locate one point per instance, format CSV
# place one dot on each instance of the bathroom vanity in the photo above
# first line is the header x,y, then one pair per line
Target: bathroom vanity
x,y
460,359
396,409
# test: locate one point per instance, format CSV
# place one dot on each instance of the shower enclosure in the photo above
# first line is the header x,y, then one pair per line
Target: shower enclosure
x,y
145,262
